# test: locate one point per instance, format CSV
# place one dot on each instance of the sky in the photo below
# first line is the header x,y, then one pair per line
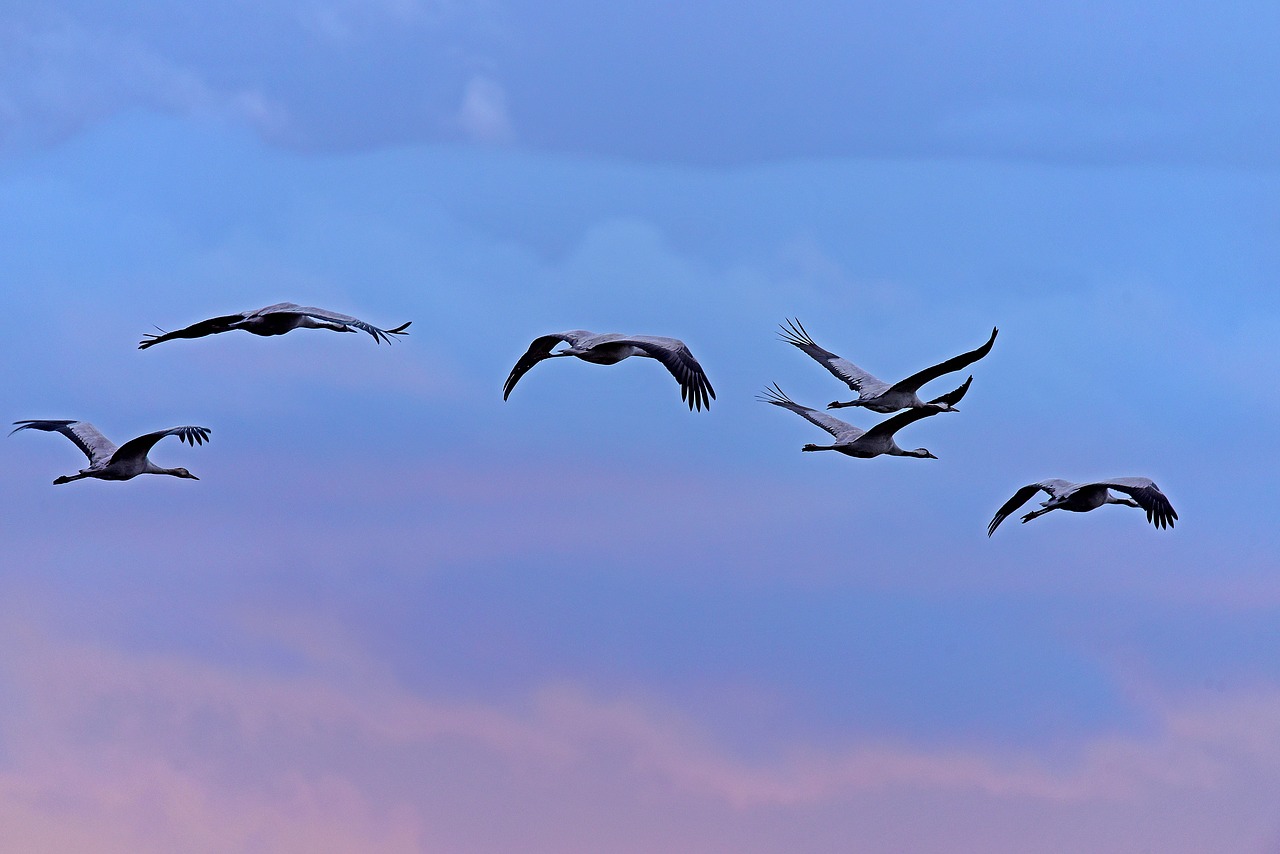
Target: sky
x,y
399,614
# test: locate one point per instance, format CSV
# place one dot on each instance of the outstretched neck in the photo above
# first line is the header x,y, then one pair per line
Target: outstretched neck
x,y
922,453
818,448
152,468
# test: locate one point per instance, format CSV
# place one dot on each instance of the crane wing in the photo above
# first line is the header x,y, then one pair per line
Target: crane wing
x,y
1149,497
141,446
85,436
954,396
894,423
538,350
842,430
212,326
1052,487
850,374
913,382
379,335
695,388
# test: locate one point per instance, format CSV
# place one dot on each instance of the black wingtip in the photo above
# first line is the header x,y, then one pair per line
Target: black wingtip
x,y
385,334
794,333
772,394
149,338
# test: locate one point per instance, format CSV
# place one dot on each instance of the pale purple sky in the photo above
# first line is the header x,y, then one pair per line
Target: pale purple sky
x,y
399,614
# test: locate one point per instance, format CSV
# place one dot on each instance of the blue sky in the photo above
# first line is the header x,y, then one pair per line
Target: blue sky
x,y
398,613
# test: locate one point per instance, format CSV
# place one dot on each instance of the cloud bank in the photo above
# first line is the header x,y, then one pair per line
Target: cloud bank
x,y
713,85
112,750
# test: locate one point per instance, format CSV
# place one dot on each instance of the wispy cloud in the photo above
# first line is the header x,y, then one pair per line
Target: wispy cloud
x,y
710,86
63,70
59,75
117,750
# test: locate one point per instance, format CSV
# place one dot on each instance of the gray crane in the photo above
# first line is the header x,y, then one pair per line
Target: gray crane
x,y
276,320
854,441
1083,497
611,348
876,394
106,461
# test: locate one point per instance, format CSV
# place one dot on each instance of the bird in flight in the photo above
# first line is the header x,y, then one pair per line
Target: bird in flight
x,y
611,348
106,461
851,440
276,320
876,394
1083,497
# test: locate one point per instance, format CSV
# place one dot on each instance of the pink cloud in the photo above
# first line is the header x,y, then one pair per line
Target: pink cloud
x,y
116,751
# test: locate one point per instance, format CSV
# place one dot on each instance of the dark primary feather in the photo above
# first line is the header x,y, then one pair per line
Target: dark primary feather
x,y
212,326
142,445
540,349
1019,498
1149,497
695,388
919,378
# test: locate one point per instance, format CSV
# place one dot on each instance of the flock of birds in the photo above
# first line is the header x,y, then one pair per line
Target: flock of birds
x,y
901,400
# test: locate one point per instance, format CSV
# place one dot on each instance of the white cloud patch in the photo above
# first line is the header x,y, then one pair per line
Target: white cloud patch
x,y
483,116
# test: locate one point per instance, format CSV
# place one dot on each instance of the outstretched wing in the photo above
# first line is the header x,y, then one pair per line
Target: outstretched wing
x,y
1052,487
212,326
953,397
1149,497
97,447
842,430
378,334
894,423
675,356
857,379
913,382
138,448
540,349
